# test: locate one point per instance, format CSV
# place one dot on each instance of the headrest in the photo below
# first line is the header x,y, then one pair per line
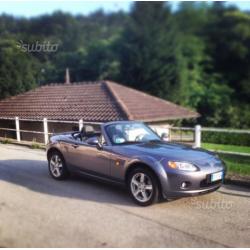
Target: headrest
x,y
87,129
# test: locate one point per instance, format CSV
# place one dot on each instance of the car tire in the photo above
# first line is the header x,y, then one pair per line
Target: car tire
x,y
143,186
57,166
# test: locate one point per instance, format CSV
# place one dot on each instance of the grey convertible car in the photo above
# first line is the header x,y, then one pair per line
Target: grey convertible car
x,y
132,154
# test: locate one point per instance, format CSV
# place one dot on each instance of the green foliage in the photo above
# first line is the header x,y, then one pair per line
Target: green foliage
x,y
197,56
215,102
223,147
17,70
237,164
35,145
226,138
229,36
101,54
5,141
147,52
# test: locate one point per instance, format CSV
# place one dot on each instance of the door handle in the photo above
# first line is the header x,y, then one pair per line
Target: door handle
x,y
75,145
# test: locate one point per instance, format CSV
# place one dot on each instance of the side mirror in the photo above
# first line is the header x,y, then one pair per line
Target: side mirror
x,y
95,142
92,141
164,137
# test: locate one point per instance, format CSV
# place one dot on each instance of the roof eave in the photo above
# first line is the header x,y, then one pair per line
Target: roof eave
x,y
169,118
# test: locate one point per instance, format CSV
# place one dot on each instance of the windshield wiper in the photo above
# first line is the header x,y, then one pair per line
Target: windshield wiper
x,y
155,140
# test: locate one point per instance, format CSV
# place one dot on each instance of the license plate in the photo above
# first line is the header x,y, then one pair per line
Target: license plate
x,y
216,176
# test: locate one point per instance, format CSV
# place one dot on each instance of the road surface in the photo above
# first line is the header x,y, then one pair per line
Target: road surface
x,y
37,211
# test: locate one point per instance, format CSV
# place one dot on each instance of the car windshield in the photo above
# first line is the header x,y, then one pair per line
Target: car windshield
x,y
126,133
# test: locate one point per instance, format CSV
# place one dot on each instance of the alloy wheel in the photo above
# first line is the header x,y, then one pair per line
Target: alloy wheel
x,y
56,165
141,187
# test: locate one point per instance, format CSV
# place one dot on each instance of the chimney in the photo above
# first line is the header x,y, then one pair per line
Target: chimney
x,y
67,76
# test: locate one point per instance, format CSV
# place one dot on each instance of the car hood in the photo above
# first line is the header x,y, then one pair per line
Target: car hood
x,y
169,150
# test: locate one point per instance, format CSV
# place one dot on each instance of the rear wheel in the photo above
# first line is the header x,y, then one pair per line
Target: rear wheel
x,y
143,187
57,167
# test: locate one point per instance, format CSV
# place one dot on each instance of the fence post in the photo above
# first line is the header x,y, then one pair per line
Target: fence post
x,y
80,124
18,137
197,139
45,130
168,133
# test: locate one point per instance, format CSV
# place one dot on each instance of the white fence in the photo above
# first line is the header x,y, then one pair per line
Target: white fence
x,y
190,135
45,131
193,135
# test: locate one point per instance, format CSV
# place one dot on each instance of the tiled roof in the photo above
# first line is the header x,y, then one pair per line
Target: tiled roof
x,y
91,101
141,106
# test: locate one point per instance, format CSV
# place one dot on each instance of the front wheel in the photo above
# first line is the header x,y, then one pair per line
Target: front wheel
x,y
57,167
143,187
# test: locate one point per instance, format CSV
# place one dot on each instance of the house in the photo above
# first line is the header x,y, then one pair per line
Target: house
x,y
93,102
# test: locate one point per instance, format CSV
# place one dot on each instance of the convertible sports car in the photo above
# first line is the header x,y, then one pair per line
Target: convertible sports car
x,y
132,154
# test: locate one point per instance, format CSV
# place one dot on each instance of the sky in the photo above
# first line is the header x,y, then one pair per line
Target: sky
x,y
28,8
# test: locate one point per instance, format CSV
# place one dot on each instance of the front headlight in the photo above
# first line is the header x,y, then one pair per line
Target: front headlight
x,y
185,166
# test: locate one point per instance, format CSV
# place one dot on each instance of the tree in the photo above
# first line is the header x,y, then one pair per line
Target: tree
x,y
197,56
229,36
147,55
18,70
101,61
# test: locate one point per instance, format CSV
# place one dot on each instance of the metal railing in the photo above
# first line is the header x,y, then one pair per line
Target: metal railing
x,y
193,136
45,132
190,135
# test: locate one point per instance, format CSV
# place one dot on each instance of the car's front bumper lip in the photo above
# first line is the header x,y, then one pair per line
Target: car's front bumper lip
x,y
188,193
198,182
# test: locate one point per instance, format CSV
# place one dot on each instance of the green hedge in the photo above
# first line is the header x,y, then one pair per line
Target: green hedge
x,y
226,138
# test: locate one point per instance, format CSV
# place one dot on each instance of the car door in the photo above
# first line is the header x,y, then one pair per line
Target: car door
x,y
88,158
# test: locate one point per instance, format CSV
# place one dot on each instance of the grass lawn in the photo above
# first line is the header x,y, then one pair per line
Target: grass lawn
x,y
230,148
235,163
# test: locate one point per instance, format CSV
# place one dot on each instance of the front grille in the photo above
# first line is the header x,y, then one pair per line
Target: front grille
x,y
207,183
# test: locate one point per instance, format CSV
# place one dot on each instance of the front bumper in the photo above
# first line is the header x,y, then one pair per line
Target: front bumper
x,y
198,183
188,193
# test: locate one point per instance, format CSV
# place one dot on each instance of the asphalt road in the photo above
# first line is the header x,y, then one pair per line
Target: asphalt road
x,y
37,211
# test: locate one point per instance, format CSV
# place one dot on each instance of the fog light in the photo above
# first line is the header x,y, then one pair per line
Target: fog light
x,y
185,184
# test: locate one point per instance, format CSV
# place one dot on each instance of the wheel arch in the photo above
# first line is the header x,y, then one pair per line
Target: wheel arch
x,y
138,164
53,149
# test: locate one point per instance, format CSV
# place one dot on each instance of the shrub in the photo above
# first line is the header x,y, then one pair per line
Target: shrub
x,y
226,138
5,141
35,145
